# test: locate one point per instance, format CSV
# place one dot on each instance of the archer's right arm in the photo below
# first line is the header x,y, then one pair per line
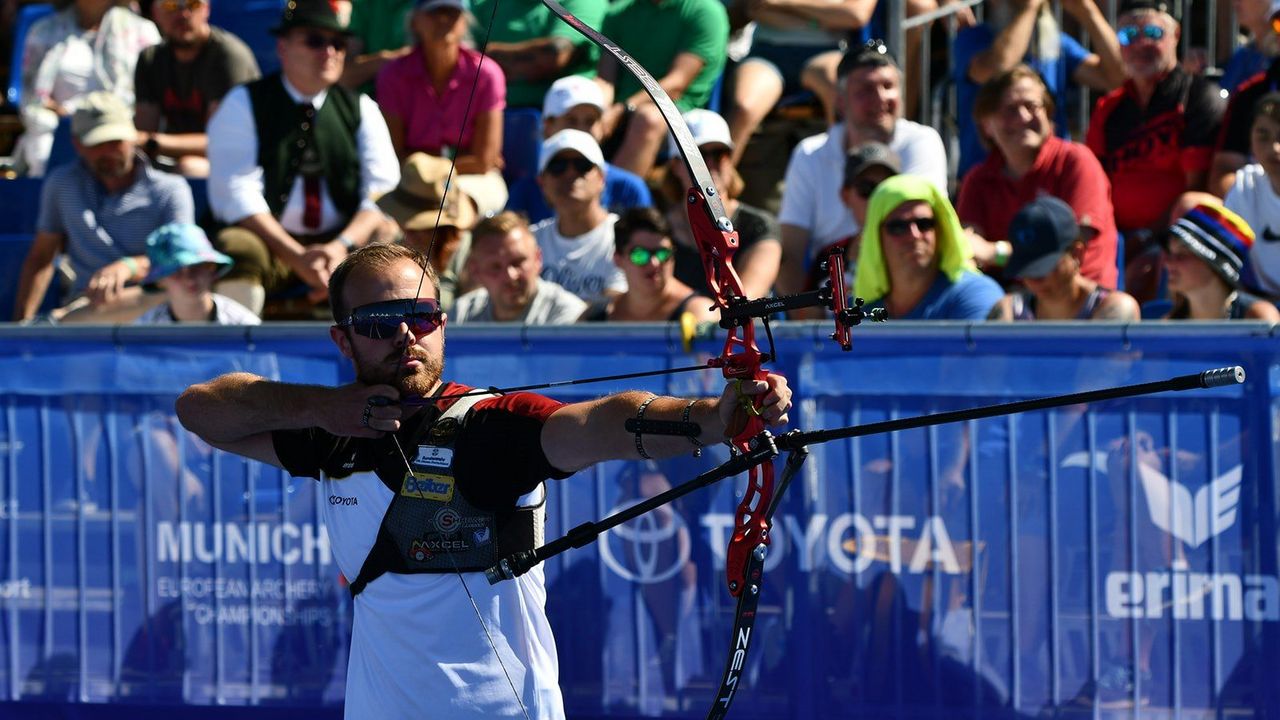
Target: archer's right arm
x,y
237,412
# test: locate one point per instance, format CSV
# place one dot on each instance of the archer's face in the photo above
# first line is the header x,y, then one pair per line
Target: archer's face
x,y
411,363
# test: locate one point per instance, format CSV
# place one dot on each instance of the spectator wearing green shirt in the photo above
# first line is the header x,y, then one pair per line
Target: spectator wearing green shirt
x,y
379,34
682,43
534,47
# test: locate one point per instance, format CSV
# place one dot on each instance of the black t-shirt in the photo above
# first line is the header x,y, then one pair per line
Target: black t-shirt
x,y
184,91
498,454
752,224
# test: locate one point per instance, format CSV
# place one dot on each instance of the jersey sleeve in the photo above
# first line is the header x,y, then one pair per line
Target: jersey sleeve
x,y
499,450
308,452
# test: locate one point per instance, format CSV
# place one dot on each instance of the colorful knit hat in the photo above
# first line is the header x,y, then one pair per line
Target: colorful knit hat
x,y
1218,236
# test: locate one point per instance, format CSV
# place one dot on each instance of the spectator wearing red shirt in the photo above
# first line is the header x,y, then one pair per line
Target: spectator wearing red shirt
x,y
1154,135
1013,113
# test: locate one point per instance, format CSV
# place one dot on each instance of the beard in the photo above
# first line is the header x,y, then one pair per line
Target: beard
x,y
415,382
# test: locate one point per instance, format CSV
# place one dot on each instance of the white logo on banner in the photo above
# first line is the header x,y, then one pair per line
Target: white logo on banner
x,y
1193,520
653,547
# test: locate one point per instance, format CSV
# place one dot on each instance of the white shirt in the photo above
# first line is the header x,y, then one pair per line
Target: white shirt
x,y
417,646
1253,199
225,312
583,265
235,177
816,171
550,305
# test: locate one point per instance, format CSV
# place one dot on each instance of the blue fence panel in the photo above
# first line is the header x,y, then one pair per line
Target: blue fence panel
x,y
1073,562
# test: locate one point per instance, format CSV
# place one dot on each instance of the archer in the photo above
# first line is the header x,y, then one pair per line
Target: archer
x,y
439,491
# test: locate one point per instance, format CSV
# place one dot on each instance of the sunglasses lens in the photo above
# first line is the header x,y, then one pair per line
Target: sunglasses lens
x,y
382,320
1126,34
663,254
1155,32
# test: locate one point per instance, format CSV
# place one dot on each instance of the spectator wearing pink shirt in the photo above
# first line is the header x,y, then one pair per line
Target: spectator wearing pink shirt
x,y
424,96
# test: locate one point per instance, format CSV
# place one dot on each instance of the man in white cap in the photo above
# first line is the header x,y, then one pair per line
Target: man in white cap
x,y
759,236
97,213
577,103
577,242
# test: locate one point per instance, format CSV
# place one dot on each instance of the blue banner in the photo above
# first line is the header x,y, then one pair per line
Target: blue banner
x,y
1079,561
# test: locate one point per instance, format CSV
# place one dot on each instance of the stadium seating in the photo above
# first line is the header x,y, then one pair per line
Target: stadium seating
x,y
27,16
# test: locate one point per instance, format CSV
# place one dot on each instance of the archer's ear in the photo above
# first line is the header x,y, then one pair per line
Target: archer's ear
x,y
340,338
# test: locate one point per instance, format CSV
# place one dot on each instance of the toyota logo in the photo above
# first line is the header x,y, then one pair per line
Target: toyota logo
x,y
635,549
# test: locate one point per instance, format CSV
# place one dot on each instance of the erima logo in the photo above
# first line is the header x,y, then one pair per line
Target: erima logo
x,y
427,486
1268,235
1191,519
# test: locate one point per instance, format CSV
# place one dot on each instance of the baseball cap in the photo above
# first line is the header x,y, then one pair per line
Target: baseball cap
x,y
869,155
707,128
102,117
872,53
575,140
1218,236
421,196
570,91
1162,6
1042,231
174,246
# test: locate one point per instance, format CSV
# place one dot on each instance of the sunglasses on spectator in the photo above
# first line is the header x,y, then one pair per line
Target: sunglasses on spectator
x,y
640,256
382,320
176,5
316,41
557,165
902,227
1129,33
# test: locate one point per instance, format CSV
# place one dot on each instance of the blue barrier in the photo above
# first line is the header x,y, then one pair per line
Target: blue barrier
x,y
1031,565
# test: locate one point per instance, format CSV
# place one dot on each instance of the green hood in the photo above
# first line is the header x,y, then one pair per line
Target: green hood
x,y
954,254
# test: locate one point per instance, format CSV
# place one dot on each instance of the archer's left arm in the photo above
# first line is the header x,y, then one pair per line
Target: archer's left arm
x,y
582,434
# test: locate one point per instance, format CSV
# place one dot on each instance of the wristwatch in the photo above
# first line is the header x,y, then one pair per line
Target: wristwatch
x,y
151,147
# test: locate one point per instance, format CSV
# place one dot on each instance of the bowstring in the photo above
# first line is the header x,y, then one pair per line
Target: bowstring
x,y
435,232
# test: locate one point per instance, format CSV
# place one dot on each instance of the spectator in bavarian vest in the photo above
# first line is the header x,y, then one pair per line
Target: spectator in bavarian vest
x,y
180,82
1205,251
442,99
296,163
1014,111
1047,246
914,261
577,103
1255,196
97,212
1154,135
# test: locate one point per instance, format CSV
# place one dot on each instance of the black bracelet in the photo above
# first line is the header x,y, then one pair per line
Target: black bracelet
x,y
697,444
640,418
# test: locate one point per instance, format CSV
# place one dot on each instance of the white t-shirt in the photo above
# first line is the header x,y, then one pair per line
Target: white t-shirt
x,y
225,312
816,171
1253,199
399,621
550,305
583,265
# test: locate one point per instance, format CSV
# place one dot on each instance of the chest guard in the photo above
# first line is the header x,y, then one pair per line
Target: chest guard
x,y
430,527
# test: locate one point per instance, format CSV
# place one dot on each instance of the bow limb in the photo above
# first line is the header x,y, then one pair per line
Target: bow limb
x,y
717,242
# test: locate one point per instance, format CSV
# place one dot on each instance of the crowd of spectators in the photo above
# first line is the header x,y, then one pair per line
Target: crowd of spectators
x,y
385,124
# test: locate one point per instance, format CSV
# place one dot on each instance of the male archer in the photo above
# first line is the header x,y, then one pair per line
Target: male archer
x,y
440,491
